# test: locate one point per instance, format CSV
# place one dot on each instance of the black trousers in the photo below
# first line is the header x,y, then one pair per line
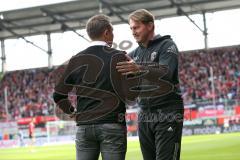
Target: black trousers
x,y
160,133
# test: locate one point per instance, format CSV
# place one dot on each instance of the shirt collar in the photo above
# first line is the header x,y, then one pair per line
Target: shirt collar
x,y
98,43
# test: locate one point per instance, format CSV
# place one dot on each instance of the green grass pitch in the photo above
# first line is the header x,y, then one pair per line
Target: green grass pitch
x,y
203,147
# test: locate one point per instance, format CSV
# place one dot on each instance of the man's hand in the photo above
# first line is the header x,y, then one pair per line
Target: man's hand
x,y
128,67
73,116
63,116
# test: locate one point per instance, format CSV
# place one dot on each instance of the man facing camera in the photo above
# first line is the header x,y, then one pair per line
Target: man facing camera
x,y
155,62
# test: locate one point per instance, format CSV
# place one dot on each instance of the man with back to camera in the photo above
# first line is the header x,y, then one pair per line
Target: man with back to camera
x,y
98,106
155,61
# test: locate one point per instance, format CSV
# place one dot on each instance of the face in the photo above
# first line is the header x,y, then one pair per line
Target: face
x,y
140,31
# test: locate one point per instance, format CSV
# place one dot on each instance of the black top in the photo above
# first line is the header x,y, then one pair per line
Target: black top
x,y
90,73
163,52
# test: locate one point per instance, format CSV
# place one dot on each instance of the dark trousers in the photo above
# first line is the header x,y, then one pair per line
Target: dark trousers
x,y
108,139
160,133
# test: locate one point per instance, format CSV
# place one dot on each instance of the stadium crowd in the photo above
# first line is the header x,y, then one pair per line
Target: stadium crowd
x,y
30,91
196,77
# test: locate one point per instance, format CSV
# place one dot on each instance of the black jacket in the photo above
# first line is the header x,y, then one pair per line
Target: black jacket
x,y
163,52
90,74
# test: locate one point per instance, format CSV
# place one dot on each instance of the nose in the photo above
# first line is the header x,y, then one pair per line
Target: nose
x,y
134,33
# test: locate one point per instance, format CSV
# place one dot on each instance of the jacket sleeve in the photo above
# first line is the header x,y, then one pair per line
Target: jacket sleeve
x,y
61,90
169,57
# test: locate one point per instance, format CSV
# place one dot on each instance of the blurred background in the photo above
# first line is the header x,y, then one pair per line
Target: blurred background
x,y
39,36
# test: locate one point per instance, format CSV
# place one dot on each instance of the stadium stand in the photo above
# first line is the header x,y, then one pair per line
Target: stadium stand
x,y
30,91
195,74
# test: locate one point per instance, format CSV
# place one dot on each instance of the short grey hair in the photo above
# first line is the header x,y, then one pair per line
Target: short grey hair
x,y
96,25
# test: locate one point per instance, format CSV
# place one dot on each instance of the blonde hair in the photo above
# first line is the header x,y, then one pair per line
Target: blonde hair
x,y
142,15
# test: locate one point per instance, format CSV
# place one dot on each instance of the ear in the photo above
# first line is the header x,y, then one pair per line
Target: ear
x,y
150,26
105,33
